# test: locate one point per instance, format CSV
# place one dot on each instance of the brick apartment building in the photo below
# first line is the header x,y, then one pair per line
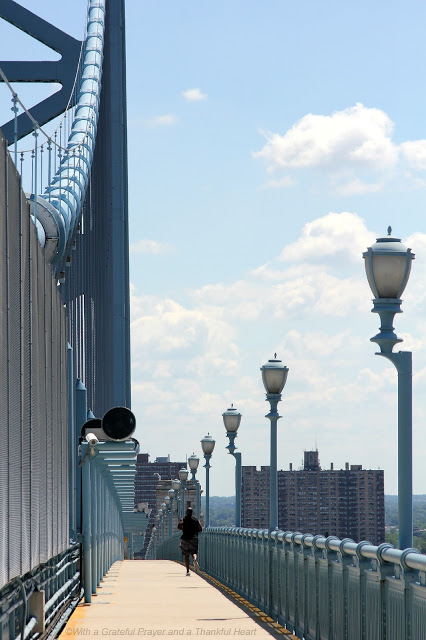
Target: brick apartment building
x,y
347,503
149,473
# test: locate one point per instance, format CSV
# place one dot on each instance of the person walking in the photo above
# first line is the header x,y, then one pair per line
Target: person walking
x,y
190,527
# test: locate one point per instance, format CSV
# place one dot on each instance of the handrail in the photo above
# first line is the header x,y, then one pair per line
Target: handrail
x,y
408,558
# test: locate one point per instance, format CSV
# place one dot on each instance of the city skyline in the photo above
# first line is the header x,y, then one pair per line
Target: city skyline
x,y
269,145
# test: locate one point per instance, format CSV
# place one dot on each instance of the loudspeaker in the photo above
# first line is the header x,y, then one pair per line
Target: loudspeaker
x,y
119,424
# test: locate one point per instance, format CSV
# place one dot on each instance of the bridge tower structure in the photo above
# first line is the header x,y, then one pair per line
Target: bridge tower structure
x,y
93,264
97,286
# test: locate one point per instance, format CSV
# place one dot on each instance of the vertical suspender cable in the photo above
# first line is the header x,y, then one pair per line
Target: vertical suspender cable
x,y
15,127
35,134
55,143
41,167
49,163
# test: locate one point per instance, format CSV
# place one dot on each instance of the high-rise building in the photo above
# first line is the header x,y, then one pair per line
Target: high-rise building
x,y
255,497
149,473
347,503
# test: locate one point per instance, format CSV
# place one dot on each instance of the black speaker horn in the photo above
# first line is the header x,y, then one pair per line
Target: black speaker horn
x,y
119,423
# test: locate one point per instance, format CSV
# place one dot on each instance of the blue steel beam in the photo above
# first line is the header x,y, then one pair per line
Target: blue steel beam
x,y
61,71
67,190
97,284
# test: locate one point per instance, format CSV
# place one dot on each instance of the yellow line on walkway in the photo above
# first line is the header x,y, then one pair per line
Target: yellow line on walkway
x,y
258,613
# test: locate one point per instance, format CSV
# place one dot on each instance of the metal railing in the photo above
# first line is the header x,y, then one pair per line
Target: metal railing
x,y
319,588
103,506
57,581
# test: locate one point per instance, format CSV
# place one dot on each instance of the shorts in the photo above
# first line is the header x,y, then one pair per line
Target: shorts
x,y
189,546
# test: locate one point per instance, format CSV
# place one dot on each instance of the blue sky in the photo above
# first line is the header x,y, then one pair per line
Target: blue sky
x,y
269,144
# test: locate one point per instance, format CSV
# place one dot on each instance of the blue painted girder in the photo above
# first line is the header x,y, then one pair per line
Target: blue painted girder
x,y
61,71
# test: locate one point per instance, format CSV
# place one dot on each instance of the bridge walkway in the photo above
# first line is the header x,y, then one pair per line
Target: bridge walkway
x,y
154,599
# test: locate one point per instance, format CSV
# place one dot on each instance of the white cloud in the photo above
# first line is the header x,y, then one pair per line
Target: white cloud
x,y
414,152
325,294
344,234
358,136
166,328
316,271
318,343
353,147
147,246
162,121
194,95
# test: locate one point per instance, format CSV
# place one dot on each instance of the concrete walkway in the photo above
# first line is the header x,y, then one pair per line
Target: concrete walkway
x,y
154,598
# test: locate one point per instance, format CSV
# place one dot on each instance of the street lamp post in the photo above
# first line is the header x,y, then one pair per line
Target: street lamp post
x,y
158,519
231,420
193,462
171,497
388,266
163,509
207,445
167,503
274,376
154,531
183,477
176,487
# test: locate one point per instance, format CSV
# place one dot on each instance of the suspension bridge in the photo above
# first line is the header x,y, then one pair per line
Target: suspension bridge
x,y
67,468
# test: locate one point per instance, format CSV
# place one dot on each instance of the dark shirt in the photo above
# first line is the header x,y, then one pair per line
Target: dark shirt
x,y
190,528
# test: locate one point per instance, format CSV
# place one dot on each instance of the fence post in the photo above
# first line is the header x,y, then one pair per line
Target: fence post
x,y
86,524
94,514
80,419
72,446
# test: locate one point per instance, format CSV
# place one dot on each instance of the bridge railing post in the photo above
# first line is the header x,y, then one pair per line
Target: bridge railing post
x,y
213,559
287,551
94,509
273,575
87,525
291,556
101,526
356,593
401,601
251,582
282,578
312,594
298,582
80,419
266,572
339,591
248,564
255,553
72,445
307,553
417,600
